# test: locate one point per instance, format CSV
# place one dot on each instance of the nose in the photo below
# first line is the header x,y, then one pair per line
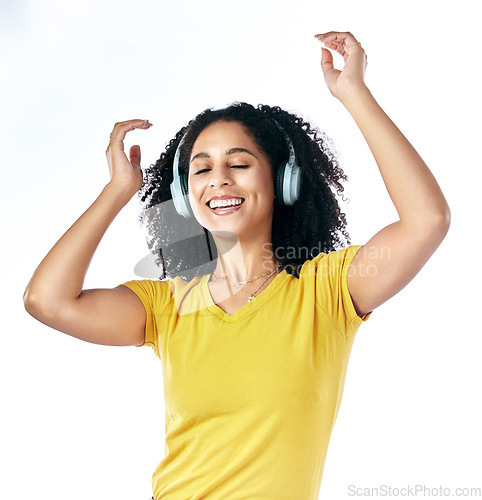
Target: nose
x,y
220,177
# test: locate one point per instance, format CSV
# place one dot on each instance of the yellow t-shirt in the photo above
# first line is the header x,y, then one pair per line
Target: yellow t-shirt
x,y
251,398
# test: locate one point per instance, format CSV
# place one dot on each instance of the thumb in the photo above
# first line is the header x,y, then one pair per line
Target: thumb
x,y
135,156
329,72
326,60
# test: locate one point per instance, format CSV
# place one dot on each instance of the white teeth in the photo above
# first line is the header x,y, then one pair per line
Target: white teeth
x,y
225,203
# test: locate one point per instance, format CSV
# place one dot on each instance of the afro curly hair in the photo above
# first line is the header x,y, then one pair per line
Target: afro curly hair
x,y
313,225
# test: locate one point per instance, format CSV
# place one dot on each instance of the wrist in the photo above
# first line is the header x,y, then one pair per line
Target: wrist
x,y
356,96
119,194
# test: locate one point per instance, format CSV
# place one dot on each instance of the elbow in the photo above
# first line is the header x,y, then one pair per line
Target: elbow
x,y
31,302
444,220
34,304
448,217
445,216
433,223
440,219
27,299
441,224
433,227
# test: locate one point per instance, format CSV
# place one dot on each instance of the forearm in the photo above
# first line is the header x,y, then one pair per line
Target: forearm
x,y
413,189
60,276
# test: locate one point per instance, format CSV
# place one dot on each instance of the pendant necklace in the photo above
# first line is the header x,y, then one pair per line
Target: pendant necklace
x,y
252,295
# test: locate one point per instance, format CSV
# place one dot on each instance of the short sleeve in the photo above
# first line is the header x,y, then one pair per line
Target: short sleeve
x,y
332,289
155,296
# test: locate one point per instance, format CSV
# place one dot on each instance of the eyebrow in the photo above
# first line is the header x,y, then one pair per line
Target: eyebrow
x,y
231,151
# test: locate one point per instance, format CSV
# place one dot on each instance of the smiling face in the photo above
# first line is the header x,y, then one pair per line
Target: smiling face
x,y
230,182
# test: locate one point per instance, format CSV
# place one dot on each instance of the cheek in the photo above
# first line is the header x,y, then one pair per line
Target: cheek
x,y
195,188
264,186
200,217
195,192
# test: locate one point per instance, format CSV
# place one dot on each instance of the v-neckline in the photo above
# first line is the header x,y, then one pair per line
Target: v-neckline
x,y
249,307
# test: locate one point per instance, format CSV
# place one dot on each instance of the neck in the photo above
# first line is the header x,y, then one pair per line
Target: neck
x,y
243,260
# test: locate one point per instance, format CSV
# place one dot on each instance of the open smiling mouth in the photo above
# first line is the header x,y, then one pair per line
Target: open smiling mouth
x,y
222,207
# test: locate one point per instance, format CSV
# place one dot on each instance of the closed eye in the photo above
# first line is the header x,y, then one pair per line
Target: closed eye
x,y
207,169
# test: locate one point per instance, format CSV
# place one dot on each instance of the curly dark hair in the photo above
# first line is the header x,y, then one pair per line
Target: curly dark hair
x,y
314,224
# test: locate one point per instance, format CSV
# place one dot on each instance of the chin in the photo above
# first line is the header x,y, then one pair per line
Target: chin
x,y
224,231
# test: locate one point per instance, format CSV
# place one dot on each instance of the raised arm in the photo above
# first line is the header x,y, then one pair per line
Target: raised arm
x,y
55,295
393,256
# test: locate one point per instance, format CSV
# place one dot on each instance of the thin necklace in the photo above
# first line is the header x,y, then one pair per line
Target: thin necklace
x,y
253,294
269,273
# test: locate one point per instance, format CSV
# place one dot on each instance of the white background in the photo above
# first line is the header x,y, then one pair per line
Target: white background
x,y
86,421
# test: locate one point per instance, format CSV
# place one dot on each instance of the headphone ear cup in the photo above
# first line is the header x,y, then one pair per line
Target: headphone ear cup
x,y
278,183
179,193
185,191
184,184
288,184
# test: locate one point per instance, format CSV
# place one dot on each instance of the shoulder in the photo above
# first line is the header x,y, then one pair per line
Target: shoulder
x,y
147,287
329,273
333,263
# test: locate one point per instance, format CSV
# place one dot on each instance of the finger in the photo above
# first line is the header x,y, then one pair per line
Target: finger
x,y
335,45
338,47
135,156
344,40
348,47
120,129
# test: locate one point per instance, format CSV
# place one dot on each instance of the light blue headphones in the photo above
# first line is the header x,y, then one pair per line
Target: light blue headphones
x,y
287,182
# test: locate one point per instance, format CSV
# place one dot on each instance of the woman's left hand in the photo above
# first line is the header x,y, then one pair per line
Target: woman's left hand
x,y
343,84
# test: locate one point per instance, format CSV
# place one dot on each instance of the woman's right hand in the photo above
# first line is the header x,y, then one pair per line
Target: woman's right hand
x,y
126,176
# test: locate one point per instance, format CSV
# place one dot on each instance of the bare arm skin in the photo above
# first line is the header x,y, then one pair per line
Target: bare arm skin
x,y
54,294
393,256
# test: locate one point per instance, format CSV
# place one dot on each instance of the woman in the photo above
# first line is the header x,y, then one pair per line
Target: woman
x,y
254,353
